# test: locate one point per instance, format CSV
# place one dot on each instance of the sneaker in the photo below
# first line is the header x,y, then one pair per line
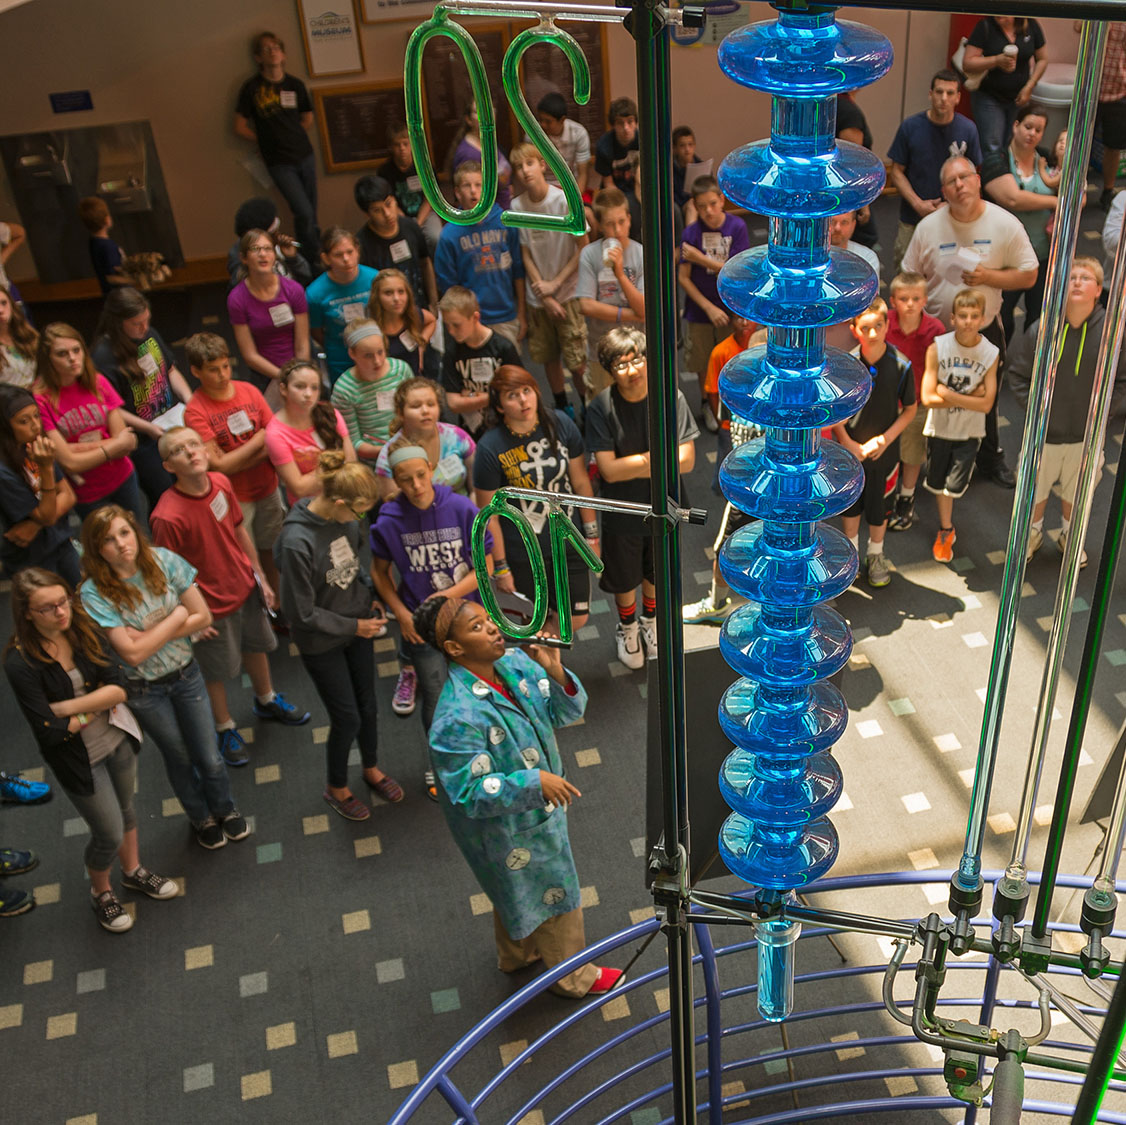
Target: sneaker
x,y
17,790
904,515
13,902
605,980
1035,541
149,883
209,835
705,610
280,710
647,626
110,913
628,640
707,416
944,545
1061,542
431,784
351,808
15,861
1106,199
402,702
232,747
879,573
234,826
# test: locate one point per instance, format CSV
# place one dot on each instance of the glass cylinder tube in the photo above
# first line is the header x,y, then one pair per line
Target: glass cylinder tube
x,y
777,953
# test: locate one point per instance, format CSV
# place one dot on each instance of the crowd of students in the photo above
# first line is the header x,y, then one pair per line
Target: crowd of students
x,y
384,399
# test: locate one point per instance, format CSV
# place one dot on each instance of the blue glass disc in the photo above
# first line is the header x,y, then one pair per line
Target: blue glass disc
x,y
811,792
791,578
805,56
790,400
785,658
777,860
755,288
846,178
813,724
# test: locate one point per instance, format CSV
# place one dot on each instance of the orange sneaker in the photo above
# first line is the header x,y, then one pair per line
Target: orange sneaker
x,y
944,544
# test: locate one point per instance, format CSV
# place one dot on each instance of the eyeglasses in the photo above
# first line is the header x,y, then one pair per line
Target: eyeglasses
x,y
52,609
262,248
624,365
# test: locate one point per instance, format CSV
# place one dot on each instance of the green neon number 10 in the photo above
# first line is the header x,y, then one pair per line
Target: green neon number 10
x,y
440,25
562,531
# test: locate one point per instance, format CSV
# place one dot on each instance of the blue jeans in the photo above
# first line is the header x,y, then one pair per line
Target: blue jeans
x,y
298,183
994,118
177,717
432,670
345,680
127,495
108,811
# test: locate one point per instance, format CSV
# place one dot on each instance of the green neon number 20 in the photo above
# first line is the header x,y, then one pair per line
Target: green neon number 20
x,y
562,531
574,222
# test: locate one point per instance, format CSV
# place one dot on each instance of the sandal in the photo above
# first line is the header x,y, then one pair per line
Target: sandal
x,y
351,808
387,788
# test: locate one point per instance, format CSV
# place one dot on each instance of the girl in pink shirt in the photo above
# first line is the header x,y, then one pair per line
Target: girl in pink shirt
x,y
304,426
82,419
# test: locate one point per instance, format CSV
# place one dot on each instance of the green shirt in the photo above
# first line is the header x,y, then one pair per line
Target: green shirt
x,y
368,407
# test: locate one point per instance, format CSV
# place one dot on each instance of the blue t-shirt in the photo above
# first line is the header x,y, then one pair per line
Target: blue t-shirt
x,y
485,258
105,255
922,147
331,306
152,609
719,245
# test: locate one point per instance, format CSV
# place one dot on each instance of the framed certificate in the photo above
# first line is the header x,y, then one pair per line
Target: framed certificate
x,y
331,34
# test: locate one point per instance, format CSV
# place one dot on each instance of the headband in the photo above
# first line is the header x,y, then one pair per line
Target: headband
x,y
406,453
16,400
361,332
445,619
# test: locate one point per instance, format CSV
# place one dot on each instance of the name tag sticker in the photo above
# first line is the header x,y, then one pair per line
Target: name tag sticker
x,y
414,183
352,310
385,400
147,364
400,251
288,99
220,507
281,315
239,423
408,341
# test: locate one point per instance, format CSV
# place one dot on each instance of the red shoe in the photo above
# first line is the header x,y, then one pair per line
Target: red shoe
x,y
605,980
944,545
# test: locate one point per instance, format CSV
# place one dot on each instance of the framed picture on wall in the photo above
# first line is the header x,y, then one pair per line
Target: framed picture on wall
x,y
355,123
379,11
331,35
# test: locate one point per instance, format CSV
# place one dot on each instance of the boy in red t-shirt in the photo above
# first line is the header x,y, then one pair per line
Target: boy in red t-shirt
x,y
200,519
230,417
911,330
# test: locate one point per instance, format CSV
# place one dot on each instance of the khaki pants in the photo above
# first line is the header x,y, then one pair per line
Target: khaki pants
x,y
552,941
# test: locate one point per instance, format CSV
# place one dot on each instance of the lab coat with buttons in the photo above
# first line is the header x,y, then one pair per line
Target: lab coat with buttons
x,y
487,753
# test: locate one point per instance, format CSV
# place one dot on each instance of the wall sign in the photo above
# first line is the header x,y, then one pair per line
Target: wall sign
x,y
331,35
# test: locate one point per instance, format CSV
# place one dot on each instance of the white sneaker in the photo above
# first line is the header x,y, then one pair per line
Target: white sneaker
x,y
707,416
628,638
648,627
1062,543
706,610
1035,540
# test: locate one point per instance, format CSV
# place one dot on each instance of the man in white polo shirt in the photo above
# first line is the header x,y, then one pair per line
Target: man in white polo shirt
x,y
971,242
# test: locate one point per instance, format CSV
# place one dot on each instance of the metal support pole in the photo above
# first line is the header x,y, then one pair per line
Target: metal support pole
x,y
1103,1058
646,23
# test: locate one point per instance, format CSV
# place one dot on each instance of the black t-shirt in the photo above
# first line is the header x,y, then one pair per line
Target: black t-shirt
x,y
406,252
611,159
992,41
469,371
149,396
275,109
614,425
105,255
893,387
406,184
851,116
405,347
507,460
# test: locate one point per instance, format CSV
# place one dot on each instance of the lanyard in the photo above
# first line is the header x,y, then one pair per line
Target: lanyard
x,y
1082,345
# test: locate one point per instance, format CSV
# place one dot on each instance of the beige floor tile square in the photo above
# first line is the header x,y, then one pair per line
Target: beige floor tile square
x,y
642,915
281,1035
480,904
402,1074
589,897
246,734
384,644
320,735
11,1016
344,1043
59,1027
199,957
312,825
35,773
588,757
38,972
897,1087
387,669
616,1009
47,894
367,845
661,996
85,1119
263,775
356,921
509,1051
257,1085
533,1118
293,649
171,806
923,859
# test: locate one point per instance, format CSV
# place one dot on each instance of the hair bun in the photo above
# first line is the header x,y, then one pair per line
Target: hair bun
x,y
329,462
